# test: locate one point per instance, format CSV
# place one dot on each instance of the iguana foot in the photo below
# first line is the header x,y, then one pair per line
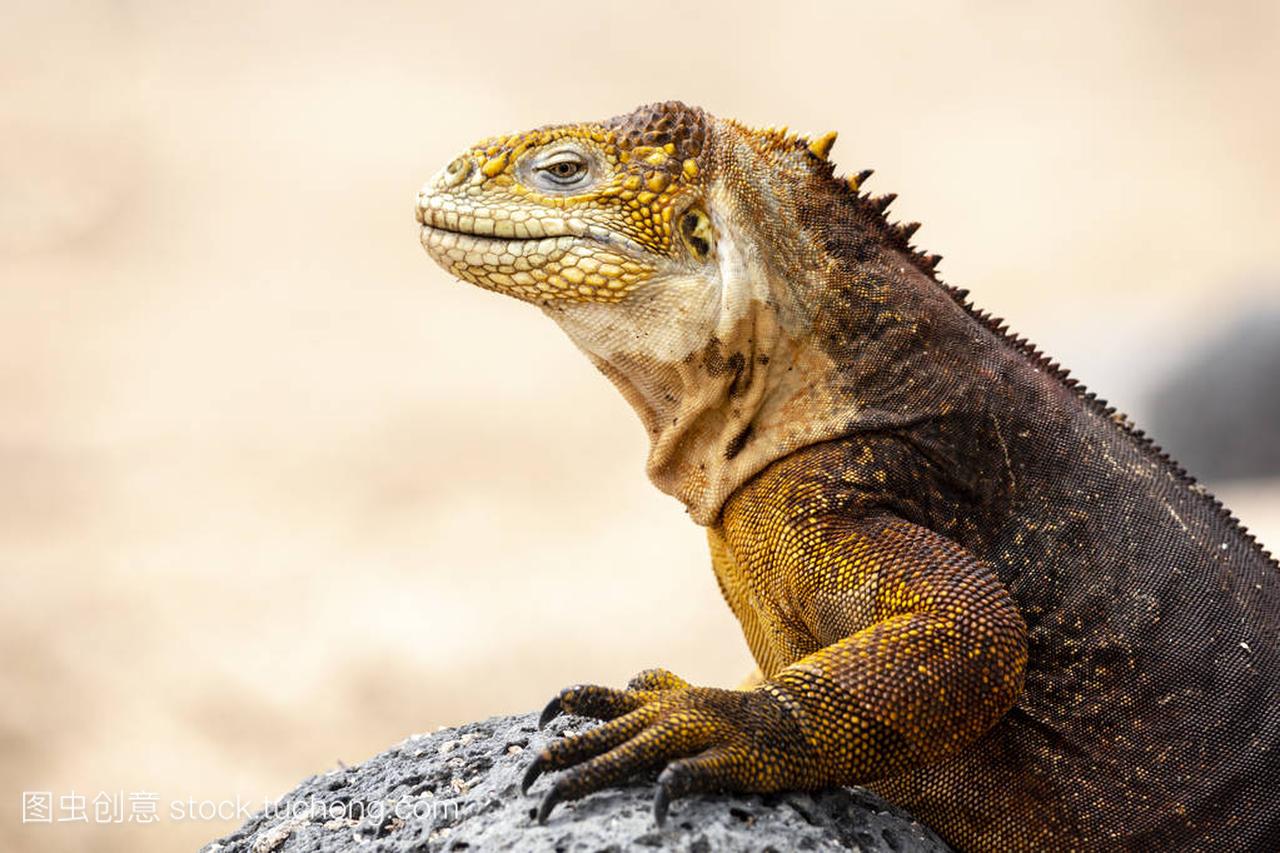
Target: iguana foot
x,y
709,739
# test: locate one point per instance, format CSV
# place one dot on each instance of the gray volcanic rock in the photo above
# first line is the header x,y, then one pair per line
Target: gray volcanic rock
x,y
459,789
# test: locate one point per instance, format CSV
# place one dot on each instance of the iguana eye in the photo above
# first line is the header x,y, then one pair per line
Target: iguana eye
x,y
563,170
566,170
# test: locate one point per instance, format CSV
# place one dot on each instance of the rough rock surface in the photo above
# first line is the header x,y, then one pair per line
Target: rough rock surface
x,y
459,789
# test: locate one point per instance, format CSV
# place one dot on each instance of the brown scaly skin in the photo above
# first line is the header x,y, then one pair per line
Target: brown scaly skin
x,y
967,583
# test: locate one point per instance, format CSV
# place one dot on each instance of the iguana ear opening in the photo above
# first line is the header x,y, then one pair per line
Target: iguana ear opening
x,y
698,235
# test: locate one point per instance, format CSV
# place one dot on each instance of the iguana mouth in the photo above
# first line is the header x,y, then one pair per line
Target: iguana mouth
x,y
440,213
573,264
455,238
479,238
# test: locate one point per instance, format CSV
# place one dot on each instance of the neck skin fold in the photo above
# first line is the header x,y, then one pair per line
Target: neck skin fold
x,y
722,383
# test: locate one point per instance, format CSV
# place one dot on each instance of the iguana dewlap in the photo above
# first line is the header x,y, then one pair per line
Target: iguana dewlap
x,y
968,584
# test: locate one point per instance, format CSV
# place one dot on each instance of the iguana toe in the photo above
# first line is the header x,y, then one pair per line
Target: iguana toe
x,y
657,679
594,701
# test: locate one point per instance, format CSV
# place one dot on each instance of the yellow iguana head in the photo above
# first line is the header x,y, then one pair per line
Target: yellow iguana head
x,y
690,257
581,212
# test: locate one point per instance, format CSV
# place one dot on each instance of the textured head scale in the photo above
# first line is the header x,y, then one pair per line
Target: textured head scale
x,y
593,206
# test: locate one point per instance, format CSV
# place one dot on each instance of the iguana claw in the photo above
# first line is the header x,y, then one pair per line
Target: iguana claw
x,y
554,709
548,803
531,774
661,802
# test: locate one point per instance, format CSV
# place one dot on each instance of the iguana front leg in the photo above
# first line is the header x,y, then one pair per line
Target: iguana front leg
x,y
902,648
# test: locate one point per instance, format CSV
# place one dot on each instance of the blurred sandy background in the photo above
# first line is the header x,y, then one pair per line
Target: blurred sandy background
x,y
274,492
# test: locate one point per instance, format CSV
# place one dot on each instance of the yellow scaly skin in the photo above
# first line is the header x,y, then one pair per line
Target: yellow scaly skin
x,y
889,485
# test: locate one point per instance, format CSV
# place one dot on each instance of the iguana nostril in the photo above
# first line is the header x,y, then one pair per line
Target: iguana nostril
x,y
457,172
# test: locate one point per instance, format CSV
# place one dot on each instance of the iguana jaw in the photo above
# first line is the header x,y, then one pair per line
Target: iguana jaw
x,y
533,259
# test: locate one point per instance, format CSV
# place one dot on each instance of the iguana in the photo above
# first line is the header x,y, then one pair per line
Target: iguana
x,y
970,585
